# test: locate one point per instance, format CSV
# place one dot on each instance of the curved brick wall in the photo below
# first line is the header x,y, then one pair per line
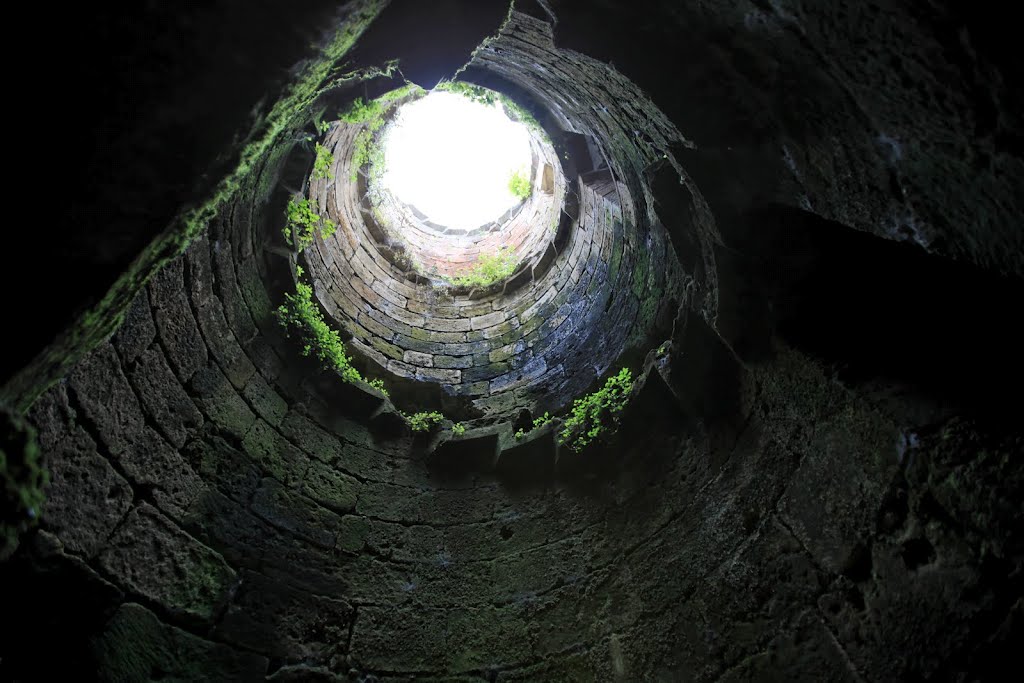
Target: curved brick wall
x,y
583,293
802,480
407,235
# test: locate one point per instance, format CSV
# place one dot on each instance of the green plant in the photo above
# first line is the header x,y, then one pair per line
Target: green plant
x,y
474,93
519,185
371,114
378,384
323,162
596,413
362,111
300,315
423,421
23,480
537,424
366,152
488,97
458,429
305,222
488,269
323,126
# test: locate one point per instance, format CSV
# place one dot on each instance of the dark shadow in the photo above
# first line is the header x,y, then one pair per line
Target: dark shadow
x,y
882,309
52,605
431,40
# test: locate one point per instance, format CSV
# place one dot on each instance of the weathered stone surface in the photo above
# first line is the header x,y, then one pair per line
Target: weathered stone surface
x,y
439,375
328,487
221,403
178,330
440,640
224,467
295,514
489,320
87,498
136,646
264,400
163,397
152,557
159,468
416,358
107,399
266,616
796,519
138,330
831,517
273,454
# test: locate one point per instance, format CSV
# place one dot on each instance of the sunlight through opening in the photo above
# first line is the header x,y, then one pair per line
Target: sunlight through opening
x,y
453,159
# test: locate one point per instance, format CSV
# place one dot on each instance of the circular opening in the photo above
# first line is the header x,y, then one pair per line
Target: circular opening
x,y
459,162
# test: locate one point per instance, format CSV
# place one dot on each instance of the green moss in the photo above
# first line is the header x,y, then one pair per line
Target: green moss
x,y
300,316
98,323
597,413
322,163
640,273
519,185
378,384
371,114
473,93
304,223
488,97
23,479
458,429
615,261
365,152
488,269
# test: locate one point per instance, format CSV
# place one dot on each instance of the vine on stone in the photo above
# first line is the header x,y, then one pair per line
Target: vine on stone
x,y
304,223
300,315
322,163
597,413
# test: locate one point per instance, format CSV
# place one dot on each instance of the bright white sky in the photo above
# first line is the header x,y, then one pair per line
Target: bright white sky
x,y
452,159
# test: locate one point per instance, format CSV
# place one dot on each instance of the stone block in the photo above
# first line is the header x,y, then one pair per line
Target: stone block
x,y
275,619
489,320
163,397
416,358
453,362
86,498
135,643
179,334
295,514
106,398
152,557
447,325
221,402
138,331
439,375
274,454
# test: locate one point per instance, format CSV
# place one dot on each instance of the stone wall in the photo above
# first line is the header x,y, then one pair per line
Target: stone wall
x,y
593,290
814,479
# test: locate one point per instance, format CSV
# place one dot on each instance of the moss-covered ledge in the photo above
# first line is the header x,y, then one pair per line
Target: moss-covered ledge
x,y
289,114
